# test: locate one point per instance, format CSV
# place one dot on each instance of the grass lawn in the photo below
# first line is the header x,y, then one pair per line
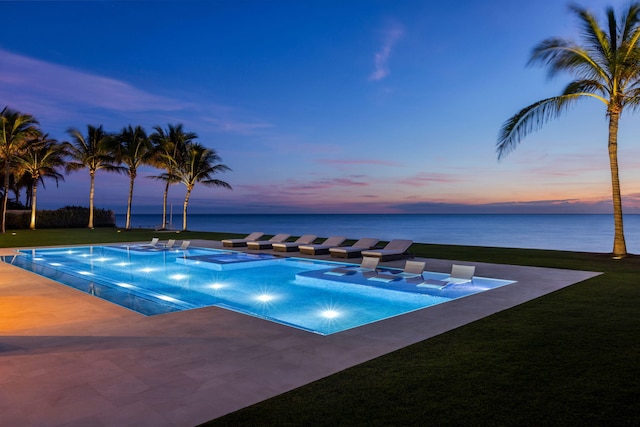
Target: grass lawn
x,y
569,358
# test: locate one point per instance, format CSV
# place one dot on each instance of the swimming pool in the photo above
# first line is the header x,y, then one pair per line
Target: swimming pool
x,y
292,291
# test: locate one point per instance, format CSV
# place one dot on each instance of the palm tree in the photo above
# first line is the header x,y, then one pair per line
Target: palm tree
x,y
606,67
198,165
91,152
15,130
168,146
42,159
133,148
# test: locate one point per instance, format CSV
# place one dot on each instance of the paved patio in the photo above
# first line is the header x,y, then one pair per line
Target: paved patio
x,y
68,358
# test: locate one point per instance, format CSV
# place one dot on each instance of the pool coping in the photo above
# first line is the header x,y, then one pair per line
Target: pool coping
x,y
67,357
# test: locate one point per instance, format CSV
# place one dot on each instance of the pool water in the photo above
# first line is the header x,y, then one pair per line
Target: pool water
x,y
293,291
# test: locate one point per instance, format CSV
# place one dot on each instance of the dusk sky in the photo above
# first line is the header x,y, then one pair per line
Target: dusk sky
x,y
320,106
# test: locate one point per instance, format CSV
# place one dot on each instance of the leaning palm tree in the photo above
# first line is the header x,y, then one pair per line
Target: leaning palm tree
x,y
198,165
42,159
133,148
606,67
91,152
168,146
15,130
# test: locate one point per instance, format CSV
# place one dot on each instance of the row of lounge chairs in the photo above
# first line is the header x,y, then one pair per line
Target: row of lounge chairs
x,y
395,249
412,273
169,244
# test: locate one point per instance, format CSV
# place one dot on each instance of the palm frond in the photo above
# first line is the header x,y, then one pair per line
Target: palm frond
x,y
531,119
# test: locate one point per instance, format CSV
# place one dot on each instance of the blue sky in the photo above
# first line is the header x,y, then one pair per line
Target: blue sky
x,y
320,106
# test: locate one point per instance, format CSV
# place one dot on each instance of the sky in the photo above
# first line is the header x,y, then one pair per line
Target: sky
x,y
334,106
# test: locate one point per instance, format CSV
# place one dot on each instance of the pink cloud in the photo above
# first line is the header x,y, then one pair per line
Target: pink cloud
x,y
426,178
357,162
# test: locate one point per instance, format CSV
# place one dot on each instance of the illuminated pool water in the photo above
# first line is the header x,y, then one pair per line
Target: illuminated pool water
x,y
291,291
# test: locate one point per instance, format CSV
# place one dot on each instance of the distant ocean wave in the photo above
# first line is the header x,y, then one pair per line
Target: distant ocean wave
x,y
583,233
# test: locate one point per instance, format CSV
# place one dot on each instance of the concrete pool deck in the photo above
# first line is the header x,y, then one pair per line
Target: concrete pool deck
x,y
68,358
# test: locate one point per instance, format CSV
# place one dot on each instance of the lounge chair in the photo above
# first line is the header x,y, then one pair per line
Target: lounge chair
x,y
170,243
322,248
233,243
395,249
293,246
459,274
151,244
267,244
412,273
185,244
355,250
368,267
413,268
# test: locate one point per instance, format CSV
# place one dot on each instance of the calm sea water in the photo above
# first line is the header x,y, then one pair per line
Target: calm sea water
x,y
585,233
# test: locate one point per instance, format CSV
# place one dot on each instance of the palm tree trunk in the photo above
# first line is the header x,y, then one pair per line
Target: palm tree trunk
x,y
132,177
619,245
184,209
5,196
92,174
33,204
164,206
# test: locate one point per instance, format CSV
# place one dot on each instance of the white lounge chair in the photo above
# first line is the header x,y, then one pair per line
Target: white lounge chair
x,y
293,246
322,248
459,274
355,250
185,244
368,267
231,243
267,244
395,249
151,244
412,273
170,243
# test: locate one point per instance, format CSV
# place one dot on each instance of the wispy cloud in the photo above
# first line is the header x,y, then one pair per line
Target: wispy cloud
x,y
240,127
426,178
28,77
58,93
294,188
357,162
391,35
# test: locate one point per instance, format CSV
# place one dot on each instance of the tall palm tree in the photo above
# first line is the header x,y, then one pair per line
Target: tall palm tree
x,y
168,146
198,166
42,158
133,148
91,152
15,130
606,67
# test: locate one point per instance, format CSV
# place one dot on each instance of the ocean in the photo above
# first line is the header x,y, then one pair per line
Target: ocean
x,y
582,233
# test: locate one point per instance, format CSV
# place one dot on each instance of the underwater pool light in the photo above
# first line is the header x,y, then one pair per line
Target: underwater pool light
x,y
265,297
330,314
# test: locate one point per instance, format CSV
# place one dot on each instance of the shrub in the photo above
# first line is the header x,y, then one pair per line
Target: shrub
x,y
67,217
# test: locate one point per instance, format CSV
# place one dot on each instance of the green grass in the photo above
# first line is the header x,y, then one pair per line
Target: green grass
x,y
570,358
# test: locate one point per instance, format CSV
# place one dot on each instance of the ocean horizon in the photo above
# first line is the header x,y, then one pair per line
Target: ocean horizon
x,y
581,233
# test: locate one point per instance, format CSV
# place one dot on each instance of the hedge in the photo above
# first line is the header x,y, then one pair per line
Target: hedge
x,y
67,217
